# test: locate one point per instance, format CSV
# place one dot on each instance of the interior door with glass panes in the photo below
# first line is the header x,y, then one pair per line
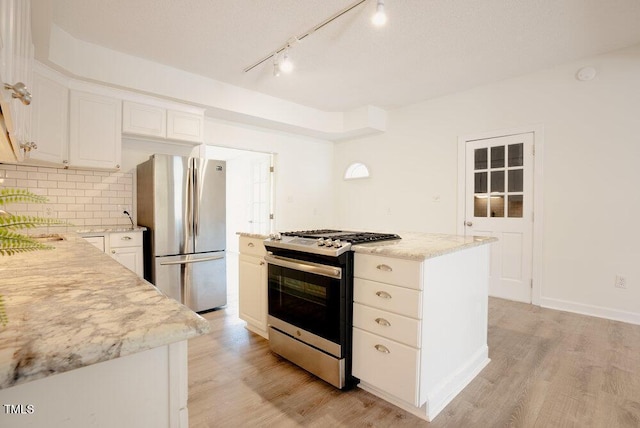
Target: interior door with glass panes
x,y
499,203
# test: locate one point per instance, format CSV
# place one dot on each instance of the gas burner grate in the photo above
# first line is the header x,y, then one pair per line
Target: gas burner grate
x,y
344,236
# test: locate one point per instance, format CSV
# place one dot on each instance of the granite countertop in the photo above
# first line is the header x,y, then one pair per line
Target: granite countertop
x,y
422,246
252,235
106,229
74,306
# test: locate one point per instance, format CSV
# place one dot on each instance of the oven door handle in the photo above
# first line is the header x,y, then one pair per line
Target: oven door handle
x,y
318,269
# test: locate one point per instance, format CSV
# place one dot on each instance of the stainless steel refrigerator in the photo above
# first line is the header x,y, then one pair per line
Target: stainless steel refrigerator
x,y
182,203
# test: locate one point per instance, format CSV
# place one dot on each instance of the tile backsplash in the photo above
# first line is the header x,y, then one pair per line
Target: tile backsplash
x,y
80,197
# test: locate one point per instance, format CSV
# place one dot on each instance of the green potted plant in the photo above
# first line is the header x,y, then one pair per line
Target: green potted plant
x,y
12,241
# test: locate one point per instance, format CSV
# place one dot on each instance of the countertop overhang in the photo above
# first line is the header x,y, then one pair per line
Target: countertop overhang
x,y
74,306
421,246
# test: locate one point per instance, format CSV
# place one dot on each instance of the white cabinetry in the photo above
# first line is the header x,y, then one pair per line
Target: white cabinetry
x,y
16,62
184,126
159,122
142,119
50,120
124,247
420,327
95,130
253,285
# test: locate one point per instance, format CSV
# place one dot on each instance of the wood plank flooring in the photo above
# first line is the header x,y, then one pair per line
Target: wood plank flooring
x,y
548,369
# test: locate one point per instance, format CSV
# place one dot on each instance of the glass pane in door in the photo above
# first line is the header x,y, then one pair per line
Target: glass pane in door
x,y
515,180
497,181
480,159
480,206
497,157
496,206
515,206
480,182
515,155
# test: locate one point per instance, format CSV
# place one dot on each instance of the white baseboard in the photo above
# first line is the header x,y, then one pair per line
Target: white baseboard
x,y
591,310
441,395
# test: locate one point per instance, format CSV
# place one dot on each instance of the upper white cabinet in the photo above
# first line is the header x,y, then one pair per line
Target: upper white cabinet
x,y
50,120
95,130
141,119
16,62
185,126
158,122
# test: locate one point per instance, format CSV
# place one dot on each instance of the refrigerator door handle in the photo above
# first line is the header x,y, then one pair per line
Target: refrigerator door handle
x,y
196,197
189,205
187,262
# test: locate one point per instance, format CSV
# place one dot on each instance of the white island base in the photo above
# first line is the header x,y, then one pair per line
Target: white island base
x,y
420,319
143,390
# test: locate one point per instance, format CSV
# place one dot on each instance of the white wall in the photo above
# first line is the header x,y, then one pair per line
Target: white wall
x,y
303,171
591,173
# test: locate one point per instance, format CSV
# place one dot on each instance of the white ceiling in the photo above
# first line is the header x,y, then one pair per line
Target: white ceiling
x,y
428,48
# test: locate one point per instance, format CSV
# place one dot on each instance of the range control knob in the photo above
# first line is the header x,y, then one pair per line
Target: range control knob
x,y
337,243
320,242
275,236
328,242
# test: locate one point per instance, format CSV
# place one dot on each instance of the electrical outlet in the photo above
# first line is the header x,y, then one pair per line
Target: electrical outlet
x,y
620,282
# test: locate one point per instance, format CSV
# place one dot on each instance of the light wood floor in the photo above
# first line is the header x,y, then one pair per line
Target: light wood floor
x,y
548,369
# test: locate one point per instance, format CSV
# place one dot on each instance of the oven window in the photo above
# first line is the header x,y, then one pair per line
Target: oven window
x,y
309,301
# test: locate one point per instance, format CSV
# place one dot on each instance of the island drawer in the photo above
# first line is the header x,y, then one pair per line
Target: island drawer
x,y
387,365
399,300
252,246
125,239
392,326
405,273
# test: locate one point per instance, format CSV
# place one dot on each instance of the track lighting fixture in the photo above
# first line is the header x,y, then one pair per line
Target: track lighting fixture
x,y
284,63
380,17
276,66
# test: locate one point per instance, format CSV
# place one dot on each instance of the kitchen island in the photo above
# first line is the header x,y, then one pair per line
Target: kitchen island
x,y
420,318
89,343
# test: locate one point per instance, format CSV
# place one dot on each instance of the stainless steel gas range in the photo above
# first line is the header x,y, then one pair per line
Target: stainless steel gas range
x,y
311,298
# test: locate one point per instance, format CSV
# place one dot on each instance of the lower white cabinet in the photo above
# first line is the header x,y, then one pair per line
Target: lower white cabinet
x,y
253,295
386,364
125,247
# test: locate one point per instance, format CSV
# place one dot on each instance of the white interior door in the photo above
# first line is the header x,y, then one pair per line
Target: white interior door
x,y
260,201
499,203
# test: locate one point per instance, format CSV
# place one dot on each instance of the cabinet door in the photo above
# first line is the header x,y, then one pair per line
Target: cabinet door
x,y
141,119
95,134
50,118
129,257
253,291
185,126
16,63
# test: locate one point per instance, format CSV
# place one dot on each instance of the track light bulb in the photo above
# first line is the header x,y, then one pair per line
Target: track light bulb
x,y
380,17
286,65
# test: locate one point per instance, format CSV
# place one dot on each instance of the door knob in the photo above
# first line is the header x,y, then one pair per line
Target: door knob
x,y
468,223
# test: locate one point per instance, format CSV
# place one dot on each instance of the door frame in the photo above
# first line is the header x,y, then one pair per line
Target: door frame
x,y
538,143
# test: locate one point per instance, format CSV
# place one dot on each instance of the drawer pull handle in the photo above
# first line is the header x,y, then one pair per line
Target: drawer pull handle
x,y
383,322
261,263
383,294
383,349
126,238
250,245
385,268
